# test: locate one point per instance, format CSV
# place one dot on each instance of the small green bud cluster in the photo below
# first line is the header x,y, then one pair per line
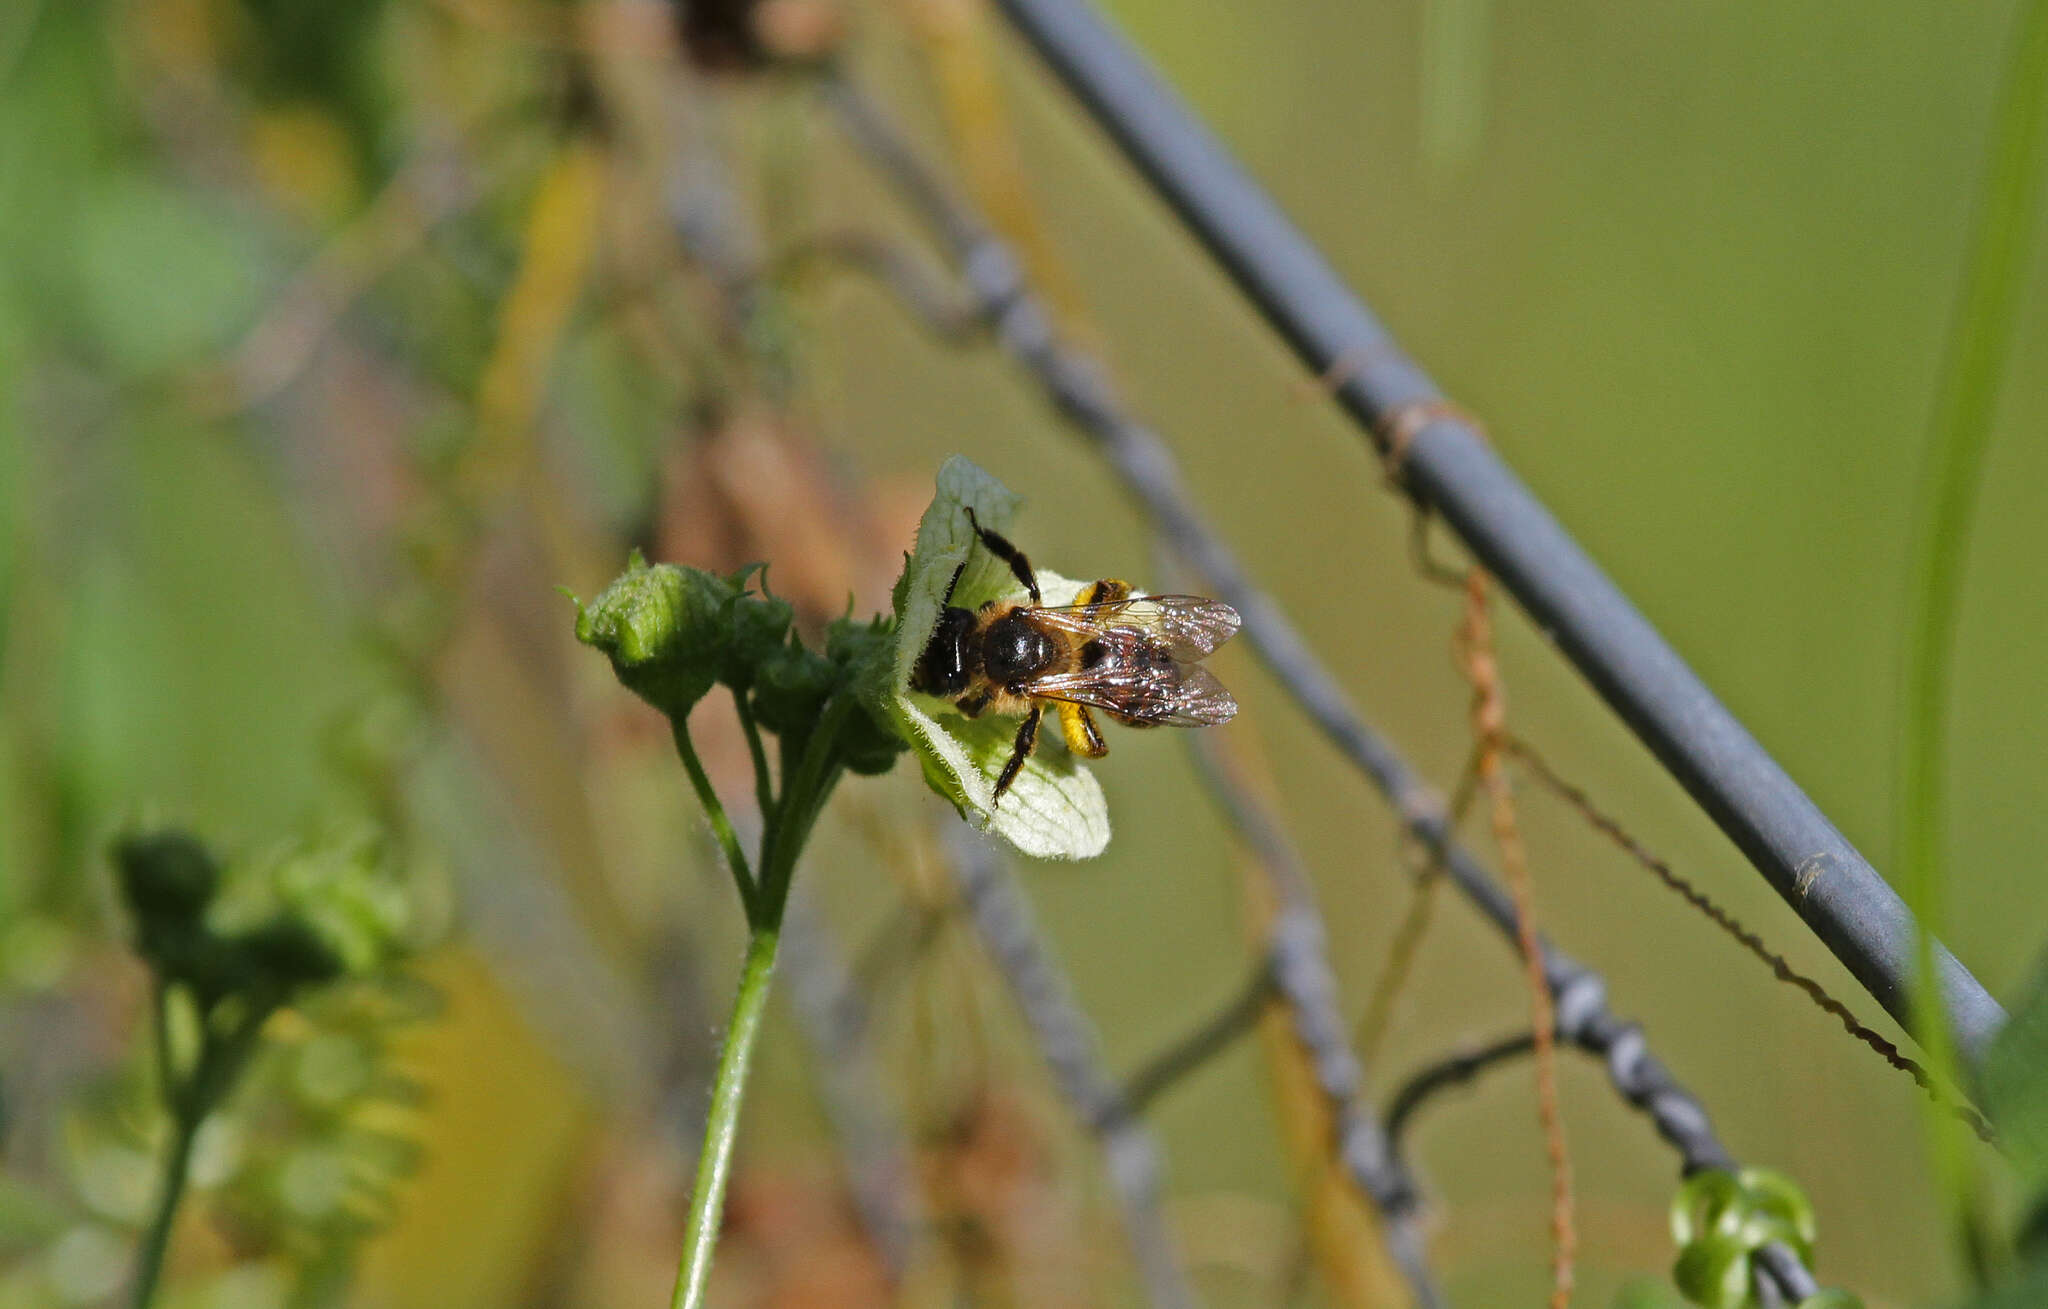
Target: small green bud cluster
x,y
1723,1221
673,632
318,914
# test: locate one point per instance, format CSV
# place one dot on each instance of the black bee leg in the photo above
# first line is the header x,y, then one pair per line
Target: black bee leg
x,y
972,705
952,585
1027,736
999,546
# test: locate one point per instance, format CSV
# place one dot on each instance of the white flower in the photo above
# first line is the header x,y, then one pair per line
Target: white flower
x,y
1054,808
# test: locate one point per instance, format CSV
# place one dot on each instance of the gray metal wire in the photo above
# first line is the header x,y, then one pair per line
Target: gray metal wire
x,y
1081,391
1445,463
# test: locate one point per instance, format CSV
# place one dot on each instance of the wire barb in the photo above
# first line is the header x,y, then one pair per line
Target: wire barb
x,y
1540,769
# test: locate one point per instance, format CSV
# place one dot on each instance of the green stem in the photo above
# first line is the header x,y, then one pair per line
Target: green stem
x,y
728,840
803,796
186,1115
1979,345
721,1130
804,793
764,790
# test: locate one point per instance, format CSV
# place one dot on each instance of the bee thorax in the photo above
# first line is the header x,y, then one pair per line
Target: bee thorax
x,y
1013,648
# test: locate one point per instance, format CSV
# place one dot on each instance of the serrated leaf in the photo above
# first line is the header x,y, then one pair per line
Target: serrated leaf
x,y
1054,809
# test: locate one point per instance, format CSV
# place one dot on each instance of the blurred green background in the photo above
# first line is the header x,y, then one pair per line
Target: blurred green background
x,y
334,337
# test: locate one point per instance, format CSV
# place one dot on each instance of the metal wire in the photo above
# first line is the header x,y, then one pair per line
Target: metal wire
x,y
1081,392
1446,464
1066,1041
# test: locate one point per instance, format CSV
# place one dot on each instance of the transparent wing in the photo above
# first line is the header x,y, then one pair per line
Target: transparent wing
x,y
1151,694
1188,626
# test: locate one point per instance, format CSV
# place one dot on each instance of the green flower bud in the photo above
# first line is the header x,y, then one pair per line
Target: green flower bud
x,y
790,688
165,876
285,954
666,630
869,748
865,654
756,626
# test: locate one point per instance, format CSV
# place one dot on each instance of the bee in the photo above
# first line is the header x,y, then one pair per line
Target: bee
x,y
1131,656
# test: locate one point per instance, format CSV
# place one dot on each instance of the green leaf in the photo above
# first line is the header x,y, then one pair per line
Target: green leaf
x,y
1775,1209
1700,1202
1719,1216
1054,809
1714,1271
2027,1290
2015,1086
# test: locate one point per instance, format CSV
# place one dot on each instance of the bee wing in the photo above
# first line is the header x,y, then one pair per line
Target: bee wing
x,y
1154,695
1189,626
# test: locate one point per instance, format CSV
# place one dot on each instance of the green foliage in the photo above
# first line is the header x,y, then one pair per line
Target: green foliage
x,y
1984,330
673,632
1722,1220
230,946
2014,1083
324,1130
315,914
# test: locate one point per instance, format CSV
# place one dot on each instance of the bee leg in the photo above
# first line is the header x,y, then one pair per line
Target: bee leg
x,y
972,705
1077,725
1027,736
950,586
999,546
1107,591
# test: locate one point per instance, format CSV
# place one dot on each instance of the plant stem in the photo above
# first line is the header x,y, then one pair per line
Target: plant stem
x,y
785,827
764,790
1979,347
728,840
721,1129
185,1119
803,796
